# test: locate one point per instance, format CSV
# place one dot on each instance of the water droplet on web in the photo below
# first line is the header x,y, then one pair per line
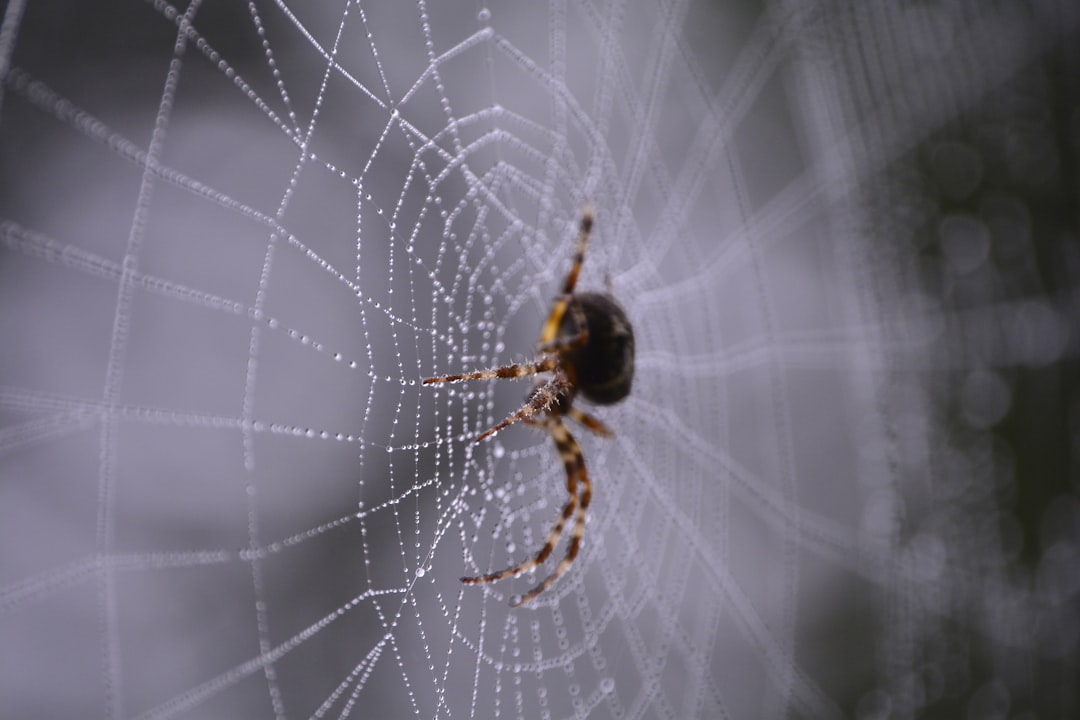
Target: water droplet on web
x,y
984,398
420,572
1037,334
607,685
965,242
484,15
498,451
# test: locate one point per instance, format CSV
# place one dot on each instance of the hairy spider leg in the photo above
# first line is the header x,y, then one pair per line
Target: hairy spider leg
x,y
551,327
516,370
539,400
571,464
574,461
579,257
591,422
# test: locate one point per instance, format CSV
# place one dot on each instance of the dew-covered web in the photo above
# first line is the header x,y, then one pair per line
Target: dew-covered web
x,y
235,237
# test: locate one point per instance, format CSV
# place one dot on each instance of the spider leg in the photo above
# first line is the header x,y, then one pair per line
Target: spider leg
x,y
551,327
579,256
579,339
570,452
509,371
540,399
591,422
553,537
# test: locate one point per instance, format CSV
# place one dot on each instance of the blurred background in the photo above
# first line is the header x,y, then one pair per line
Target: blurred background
x,y
234,237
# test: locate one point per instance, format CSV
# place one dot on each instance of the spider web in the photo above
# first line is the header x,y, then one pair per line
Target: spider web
x,y
235,237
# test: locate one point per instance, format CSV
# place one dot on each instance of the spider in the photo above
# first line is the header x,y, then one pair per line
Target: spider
x,y
587,344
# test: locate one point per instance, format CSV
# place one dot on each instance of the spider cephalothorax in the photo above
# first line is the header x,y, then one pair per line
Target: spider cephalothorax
x,y
587,345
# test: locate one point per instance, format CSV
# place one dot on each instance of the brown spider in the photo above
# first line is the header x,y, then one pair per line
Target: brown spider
x,y
587,344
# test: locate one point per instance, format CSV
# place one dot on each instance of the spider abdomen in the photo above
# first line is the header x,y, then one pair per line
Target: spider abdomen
x,y
604,366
